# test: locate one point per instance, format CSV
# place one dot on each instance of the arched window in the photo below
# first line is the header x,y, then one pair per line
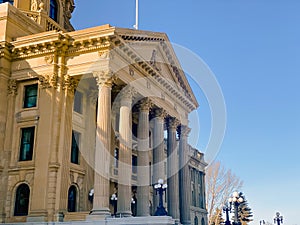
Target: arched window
x,y
196,220
72,194
22,200
10,1
202,221
53,10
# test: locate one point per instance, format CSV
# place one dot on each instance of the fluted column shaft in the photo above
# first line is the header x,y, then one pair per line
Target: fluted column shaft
x,y
158,150
172,170
143,175
184,177
125,155
103,145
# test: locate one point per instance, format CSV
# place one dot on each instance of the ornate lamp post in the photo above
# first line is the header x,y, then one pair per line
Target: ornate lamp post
x,y
227,210
236,200
114,200
278,218
160,188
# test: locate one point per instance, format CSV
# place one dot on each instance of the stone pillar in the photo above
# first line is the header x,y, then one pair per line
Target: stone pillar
x,y
172,170
125,154
103,145
143,175
158,151
184,177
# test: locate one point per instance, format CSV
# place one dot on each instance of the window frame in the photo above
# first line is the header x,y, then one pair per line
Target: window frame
x,y
74,201
17,211
75,149
25,96
53,5
31,143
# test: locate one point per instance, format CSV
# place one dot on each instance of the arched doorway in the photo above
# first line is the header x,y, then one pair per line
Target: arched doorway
x,y
196,220
72,195
22,200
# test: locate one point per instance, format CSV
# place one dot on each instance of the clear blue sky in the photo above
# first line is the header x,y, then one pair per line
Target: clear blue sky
x,y
253,48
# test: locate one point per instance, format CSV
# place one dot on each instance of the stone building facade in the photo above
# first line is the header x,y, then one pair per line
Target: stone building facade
x,y
85,116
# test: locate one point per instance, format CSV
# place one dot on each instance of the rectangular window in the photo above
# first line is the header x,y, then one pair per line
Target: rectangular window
x,y
78,102
75,147
27,141
116,158
134,164
30,96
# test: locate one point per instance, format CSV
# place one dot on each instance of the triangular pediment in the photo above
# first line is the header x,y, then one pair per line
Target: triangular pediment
x,y
155,49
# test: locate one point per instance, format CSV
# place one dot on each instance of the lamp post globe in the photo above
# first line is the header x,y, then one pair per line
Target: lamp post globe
x,y
160,188
236,200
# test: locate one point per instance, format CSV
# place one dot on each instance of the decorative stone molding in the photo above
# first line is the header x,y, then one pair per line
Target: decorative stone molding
x,y
49,59
12,88
34,5
48,80
103,54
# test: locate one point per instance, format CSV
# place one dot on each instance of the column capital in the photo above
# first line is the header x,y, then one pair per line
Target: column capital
x,y
183,130
173,123
127,93
104,78
160,113
145,104
70,83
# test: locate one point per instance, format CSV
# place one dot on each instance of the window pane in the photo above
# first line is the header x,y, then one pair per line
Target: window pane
x,y
78,102
134,164
22,200
27,141
30,96
75,147
53,10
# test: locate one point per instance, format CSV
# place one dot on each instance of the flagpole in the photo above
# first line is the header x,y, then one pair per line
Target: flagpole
x,y
136,26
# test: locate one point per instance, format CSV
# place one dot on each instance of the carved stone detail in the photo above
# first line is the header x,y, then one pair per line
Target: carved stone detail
x,y
104,78
12,88
128,93
161,113
34,5
70,83
145,104
49,59
183,130
48,80
173,123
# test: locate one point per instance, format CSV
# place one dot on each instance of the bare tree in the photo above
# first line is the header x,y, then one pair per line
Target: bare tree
x,y
220,184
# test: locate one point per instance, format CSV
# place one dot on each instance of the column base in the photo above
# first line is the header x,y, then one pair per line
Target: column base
x,y
98,214
123,214
160,211
37,216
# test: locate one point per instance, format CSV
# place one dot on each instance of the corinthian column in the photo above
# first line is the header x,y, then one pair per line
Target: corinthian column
x,y
143,175
158,150
103,145
184,177
172,170
125,154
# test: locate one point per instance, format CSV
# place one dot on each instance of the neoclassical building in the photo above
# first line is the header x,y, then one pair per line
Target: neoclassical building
x,y
90,120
